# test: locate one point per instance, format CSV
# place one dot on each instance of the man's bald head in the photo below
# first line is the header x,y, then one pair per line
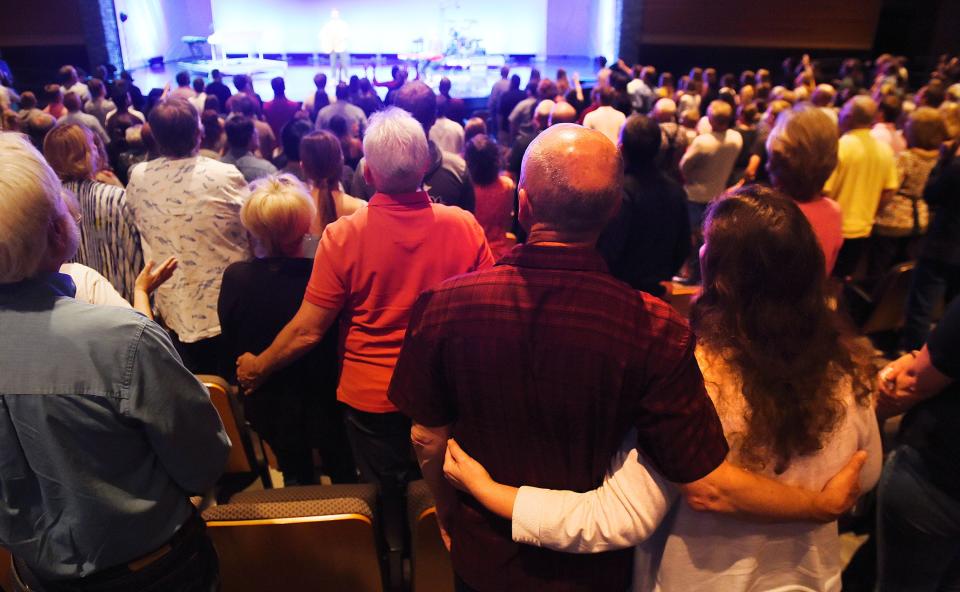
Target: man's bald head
x,y
563,112
541,115
858,112
570,181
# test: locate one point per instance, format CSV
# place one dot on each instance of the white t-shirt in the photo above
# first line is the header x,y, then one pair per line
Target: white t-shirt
x,y
93,287
607,121
708,162
702,551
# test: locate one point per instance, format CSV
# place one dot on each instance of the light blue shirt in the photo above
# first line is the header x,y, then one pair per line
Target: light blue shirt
x,y
103,432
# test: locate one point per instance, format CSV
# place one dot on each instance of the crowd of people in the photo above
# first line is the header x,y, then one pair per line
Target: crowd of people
x,y
482,300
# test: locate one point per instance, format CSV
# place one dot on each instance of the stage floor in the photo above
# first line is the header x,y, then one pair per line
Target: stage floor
x,y
473,83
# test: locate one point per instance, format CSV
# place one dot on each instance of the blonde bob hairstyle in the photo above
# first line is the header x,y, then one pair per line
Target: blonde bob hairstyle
x,y
278,214
31,203
71,152
802,151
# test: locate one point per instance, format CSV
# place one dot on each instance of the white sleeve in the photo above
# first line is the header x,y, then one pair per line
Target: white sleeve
x,y
92,287
625,510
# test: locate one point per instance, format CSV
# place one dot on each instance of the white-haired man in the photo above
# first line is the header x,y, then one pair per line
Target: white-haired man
x,y
368,271
673,140
104,433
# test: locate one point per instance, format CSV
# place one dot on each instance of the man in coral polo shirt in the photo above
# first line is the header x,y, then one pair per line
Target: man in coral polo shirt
x,y
369,270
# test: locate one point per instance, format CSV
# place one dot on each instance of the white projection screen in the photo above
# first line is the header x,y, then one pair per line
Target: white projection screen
x,y
384,26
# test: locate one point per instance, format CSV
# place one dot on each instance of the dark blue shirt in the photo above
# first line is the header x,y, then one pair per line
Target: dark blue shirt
x,y
103,432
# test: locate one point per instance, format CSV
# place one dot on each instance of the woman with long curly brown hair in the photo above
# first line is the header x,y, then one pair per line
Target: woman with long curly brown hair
x,y
794,397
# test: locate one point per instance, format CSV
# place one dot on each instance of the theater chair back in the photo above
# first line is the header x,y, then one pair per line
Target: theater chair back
x,y
317,537
430,560
246,462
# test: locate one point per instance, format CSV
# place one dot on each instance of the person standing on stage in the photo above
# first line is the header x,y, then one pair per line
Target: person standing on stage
x,y
333,38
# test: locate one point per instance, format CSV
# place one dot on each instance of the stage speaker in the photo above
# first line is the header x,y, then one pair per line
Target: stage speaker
x,y
155,63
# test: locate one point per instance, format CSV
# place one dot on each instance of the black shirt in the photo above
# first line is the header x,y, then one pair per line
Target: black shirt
x,y
932,428
257,299
649,239
221,91
943,195
508,101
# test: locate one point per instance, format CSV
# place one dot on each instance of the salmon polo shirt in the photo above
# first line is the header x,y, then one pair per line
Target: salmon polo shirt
x,y
372,266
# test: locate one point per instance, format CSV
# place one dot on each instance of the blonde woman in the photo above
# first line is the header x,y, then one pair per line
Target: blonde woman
x,y
296,410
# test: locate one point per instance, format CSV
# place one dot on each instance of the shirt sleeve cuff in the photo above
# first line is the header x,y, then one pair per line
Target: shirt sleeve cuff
x,y
527,509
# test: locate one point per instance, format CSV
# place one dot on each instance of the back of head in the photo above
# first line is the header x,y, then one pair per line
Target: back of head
x,y
28,100
445,85
763,306
547,89
242,104
241,82
70,151
30,203
67,75
720,115
212,102
665,111
748,113
240,132
639,141
858,112
291,135
950,112
483,160
212,128
571,177
607,96
396,150
278,85
342,92
802,152
541,114
320,81
474,127
823,95
183,79
338,125
419,100
925,129
72,102
97,90
890,108
321,158
504,71
515,82
563,112
199,84
174,125
278,214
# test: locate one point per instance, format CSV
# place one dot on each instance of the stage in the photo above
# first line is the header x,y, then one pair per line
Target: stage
x,y
473,82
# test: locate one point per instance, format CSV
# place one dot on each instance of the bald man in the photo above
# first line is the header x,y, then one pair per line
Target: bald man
x,y
543,364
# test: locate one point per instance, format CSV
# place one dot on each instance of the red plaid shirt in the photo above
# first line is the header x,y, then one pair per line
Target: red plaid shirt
x,y
542,364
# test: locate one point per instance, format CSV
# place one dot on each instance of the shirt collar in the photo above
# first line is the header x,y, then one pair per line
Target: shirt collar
x,y
555,257
50,284
388,199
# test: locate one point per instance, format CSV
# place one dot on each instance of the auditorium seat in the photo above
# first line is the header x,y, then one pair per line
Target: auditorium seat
x,y
882,309
429,558
247,461
315,537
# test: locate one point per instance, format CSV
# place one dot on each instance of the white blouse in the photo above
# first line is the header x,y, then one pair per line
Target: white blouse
x,y
700,551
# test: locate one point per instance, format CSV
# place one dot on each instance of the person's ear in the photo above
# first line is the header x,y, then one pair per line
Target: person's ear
x,y
525,213
368,175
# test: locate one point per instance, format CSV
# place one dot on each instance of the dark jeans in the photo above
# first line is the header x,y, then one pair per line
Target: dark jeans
x,y
296,459
932,282
191,565
851,254
918,529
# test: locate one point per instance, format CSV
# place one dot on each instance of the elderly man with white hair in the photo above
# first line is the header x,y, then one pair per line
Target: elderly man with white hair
x,y
368,271
104,433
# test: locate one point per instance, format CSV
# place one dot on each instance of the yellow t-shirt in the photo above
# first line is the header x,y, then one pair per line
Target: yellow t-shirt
x,y
865,168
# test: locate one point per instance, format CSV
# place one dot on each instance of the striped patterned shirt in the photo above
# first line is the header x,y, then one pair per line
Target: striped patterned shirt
x,y
109,241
